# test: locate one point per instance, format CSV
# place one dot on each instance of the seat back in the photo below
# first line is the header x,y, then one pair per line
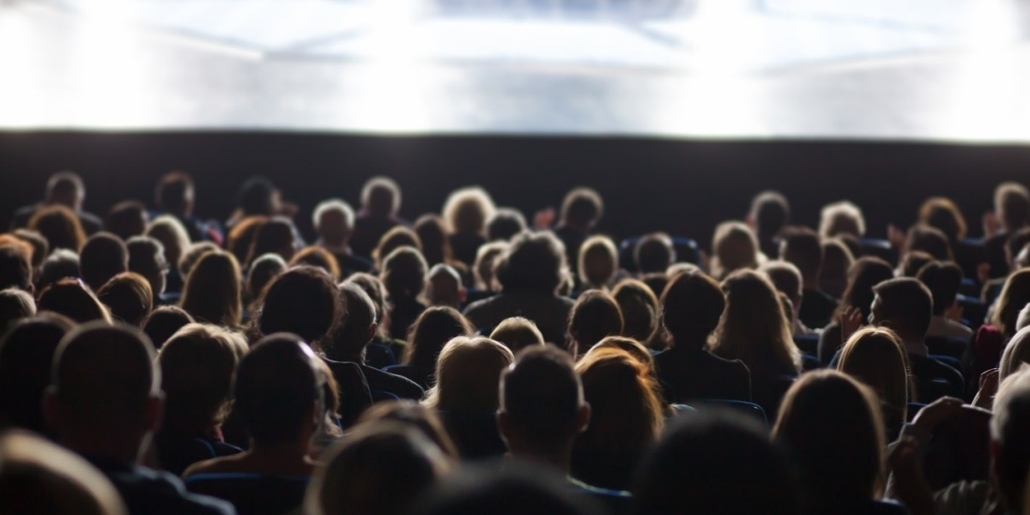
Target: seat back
x,y
252,494
748,408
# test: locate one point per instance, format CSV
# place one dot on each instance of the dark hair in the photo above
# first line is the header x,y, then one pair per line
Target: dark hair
x,y
39,243
913,262
351,336
436,247
103,256
317,257
654,253
60,264
212,292
504,224
907,304
26,355
412,414
535,262
1012,200
640,308
397,237
785,277
943,280
174,192
594,316
241,237
943,214
163,322
15,267
197,365
516,489
865,273
692,304
1015,243
542,394
65,182
15,304
930,240
801,246
404,274
192,254
129,298
276,387
255,197
582,207
127,219
276,236
770,211
73,299
147,258
303,301
432,330
381,196
262,271
60,226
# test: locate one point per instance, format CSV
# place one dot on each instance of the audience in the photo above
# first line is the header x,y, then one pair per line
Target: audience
x,y
334,223
165,321
66,190
877,358
147,258
517,333
770,213
102,257
943,280
505,223
212,293
598,262
26,354
466,212
866,273
175,195
801,247
128,298
594,316
444,288
734,247
581,209
404,277
380,203
641,312
73,299
837,260
61,228
127,219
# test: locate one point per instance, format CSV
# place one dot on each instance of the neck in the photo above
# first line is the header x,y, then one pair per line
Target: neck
x,y
696,342
560,458
121,447
280,454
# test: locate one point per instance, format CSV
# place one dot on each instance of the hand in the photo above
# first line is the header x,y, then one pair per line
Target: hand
x,y
544,218
991,224
897,238
988,389
933,414
910,484
850,323
954,313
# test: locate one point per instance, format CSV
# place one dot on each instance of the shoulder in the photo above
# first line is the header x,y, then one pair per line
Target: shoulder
x,y
161,492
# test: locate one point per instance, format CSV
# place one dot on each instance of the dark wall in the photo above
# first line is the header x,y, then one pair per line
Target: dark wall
x,y
684,187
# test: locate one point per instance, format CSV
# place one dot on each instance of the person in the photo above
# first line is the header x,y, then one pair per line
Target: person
x,y
241,236
444,287
801,247
213,291
73,299
38,476
379,469
1015,355
876,357
380,203
944,279
40,247
26,354
1013,297
104,402
626,417
175,195
399,236
277,235
59,226
786,278
351,338
716,462
261,272
375,290
769,214
831,423
839,218
1011,213
436,245
692,305
333,220
404,276
641,312
173,237
867,272
15,305
163,322
317,257
16,267
258,196
191,256
530,273
594,316
735,247
197,365
126,219
466,212
128,298
517,333
483,271
598,263
60,264
581,209
67,190
837,260
102,257
412,414
147,258
654,253
504,224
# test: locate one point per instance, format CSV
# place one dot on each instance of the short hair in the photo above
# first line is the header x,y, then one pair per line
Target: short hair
x,y
128,297
60,226
907,304
163,322
468,371
654,253
942,213
582,206
375,290
432,234
1016,354
943,281
930,240
784,276
517,333
126,219
486,262
448,277
1012,202
351,336
192,254
516,489
60,264
598,261
432,330
262,271
255,196
147,258
317,257
877,357
302,300
65,182
734,247
15,267
594,316
277,235
276,387
15,304
865,273
837,260
73,299
640,308
1009,427
505,223
542,394
842,217
103,256
39,243
26,357
381,196
535,262
1015,294
173,236
197,365
467,210
801,246
409,413
174,192
770,212
336,207
404,273
397,237
692,305
212,292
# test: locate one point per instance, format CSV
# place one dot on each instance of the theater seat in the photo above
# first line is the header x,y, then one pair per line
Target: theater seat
x,y
953,348
879,248
687,251
808,343
252,494
748,408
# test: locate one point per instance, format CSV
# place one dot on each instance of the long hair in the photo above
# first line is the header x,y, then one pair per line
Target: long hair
x,y
213,290
468,373
754,327
60,226
431,331
864,273
1014,296
876,357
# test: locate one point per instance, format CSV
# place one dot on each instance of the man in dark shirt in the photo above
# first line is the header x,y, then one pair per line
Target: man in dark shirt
x,y
66,189
801,246
105,403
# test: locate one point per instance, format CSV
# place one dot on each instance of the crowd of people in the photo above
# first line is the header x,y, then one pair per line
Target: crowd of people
x,y
153,361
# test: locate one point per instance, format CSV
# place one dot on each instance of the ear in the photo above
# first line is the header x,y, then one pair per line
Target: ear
x,y
583,418
155,412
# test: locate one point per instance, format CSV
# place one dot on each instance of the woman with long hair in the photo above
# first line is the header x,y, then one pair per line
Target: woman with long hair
x,y
876,357
213,291
431,331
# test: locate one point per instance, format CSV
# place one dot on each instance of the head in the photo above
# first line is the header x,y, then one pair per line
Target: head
x,y
517,333
877,357
192,253
505,223
467,374
1015,294
127,219
1015,355
770,213
397,237
147,258
903,305
381,197
443,287
486,262
654,253
864,274
65,188
73,299
333,220
515,489
356,329
258,196
60,264
173,236
165,321
404,274
414,415
241,237
753,327
943,280
801,246
40,247
197,365
641,311
317,257
15,305
912,262
628,345
535,262
212,293
467,210
841,218
1010,452
60,226
277,391
26,355
831,423
174,193
128,298
277,235
598,262
432,233
942,214
16,266
431,331
692,305
735,248
1012,205
581,208
302,300
837,260
265,268
786,278
103,256
594,316
933,241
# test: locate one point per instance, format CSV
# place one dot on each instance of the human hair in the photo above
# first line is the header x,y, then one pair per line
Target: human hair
x,y
443,286
535,262
785,277
832,424
1016,243
517,488
276,235
317,257
541,396
15,304
654,253
486,261
431,331
432,233
943,214
147,258
754,328
197,365
174,193
304,301
1015,294
128,298
517,333
241,236
256,196
467,210
397,237
378,469
262,271
173,236
73,299
333,220
734,247
943,281
351,335
375,290
505,223
15,266
212,292
770,212
277,389
912,262
60,264
40,245
381,197
582,207
163,322
877,357
1023,321
632,347
641,311
692,305
837,260
192,254
1015,355
906,306
1012,203
415,415
64,184
594,316
1009,427
26,355
60,226
468,371
598,261
404,274
102,257
865,273
930,240
126,219
801,246
841,218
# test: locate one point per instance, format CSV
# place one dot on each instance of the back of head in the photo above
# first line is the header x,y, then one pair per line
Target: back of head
x,y
414,415
381,197
928,239
333,220
837,260
906,306
541,396
626,411
277,389
582,208
261,272
943,280
431,331
468,372
914,261
754,327
103,256
303,301
51,480
1015,245
841,218
397,237
632,347
1014,296
256,197
432,233
832,425
26,357
173,236
192,254
212,292
801,246
598,261
594,316
60,226
641,311
275,236
65,188
15,266
404,274
785,277
1009,427
128,297
1012,203
692,305
241,237
15,305
770,212
126,219
38,242
486,262
174,193
443,286
735,247
517,333
505,223
73,299
1015,355
165,321
865,273
719,463
372,287
943,214
61,263
317,257
147,258
654,253
535,262
467,210
197,364
353,333
877,357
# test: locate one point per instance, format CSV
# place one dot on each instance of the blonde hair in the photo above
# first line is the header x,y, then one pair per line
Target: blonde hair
x,y
841,217
735,248
467,210
169,231
468,375
877,357
1014,296
600,250
517,333
754,328
1015,355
